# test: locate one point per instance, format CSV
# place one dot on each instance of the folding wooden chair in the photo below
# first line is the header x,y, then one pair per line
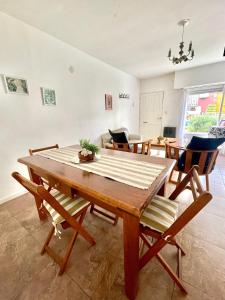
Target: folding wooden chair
x,y
64,210
159,221
43,181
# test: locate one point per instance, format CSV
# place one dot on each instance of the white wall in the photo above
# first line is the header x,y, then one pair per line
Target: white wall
x,y
80,110
172,104
207,74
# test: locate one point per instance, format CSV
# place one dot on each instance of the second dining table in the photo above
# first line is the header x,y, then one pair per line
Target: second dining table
x,y
124,200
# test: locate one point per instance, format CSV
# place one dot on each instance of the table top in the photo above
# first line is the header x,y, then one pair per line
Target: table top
x,y
155,143
118,195
138,141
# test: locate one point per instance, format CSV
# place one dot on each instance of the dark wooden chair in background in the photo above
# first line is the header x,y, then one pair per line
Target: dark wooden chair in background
x,y
64,210
160,221
206,161
121,147
129,147
146,148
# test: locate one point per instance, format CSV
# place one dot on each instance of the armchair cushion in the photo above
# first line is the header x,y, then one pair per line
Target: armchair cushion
x,y
199,143
107,139
118,137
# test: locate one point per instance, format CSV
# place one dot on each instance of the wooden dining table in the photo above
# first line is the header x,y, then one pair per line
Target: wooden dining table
x,y
125,201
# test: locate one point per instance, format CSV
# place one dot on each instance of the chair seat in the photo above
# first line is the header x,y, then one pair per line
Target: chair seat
x,y
71,205
160,214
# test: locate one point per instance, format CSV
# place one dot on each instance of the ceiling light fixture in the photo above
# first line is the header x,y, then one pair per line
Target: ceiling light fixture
x,y
182,57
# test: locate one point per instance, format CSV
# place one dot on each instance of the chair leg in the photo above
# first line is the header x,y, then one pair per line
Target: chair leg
x,y
174,276
47,240
179,247
179,177
165,265
62,262
207,182
92,208
70,246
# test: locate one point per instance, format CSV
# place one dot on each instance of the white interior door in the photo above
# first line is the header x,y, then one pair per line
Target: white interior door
x,y
151,110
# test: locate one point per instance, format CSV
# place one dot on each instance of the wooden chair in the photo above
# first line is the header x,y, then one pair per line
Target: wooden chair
x,y
64,210
33,151
43,181
121,147
146,148
160,222
206,163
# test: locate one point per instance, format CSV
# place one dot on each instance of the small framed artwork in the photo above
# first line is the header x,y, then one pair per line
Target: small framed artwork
x,y
108,102
48,96
15,85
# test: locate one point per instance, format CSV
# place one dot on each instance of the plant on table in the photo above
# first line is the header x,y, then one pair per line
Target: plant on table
x,y
88,148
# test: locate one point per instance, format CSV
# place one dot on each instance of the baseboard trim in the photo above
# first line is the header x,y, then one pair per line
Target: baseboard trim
x,y
12,196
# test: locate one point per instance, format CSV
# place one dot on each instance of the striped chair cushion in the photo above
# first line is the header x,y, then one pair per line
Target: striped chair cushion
x,y
72,205
160,214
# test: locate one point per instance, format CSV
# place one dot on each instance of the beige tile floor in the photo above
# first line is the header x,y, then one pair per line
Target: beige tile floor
x,y
97,272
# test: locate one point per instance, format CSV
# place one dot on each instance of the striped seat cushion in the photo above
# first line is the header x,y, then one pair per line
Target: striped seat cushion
x,y
160,214
72,205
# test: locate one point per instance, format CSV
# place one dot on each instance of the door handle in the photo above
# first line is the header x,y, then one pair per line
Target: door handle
x,y
145,122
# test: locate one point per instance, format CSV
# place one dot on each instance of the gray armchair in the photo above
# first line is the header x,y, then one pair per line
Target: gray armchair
x,y
107,139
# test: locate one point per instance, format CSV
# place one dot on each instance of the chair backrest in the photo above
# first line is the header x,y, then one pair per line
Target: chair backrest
x,y
201,198
204,159
146,147
32,151
40,192
121,147
172,151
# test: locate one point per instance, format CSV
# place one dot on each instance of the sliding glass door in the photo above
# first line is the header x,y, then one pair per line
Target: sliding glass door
x,y
205,108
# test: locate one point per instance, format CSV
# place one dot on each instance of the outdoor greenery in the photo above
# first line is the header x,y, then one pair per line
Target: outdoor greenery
x,y
201,123
85,144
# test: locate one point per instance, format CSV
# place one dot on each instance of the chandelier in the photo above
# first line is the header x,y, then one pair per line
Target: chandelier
x,y
182,56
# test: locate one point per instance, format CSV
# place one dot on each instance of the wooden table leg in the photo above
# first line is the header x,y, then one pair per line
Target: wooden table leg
x,y
162,191
135,148
131,254
35,178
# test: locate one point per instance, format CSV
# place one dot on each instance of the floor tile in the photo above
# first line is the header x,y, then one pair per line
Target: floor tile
x,y
48,285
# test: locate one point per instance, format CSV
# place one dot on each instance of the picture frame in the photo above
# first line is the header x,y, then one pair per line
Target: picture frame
x,y
15,85
108,102
48,96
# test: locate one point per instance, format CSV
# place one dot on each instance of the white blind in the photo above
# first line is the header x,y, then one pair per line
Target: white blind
x,y
206,89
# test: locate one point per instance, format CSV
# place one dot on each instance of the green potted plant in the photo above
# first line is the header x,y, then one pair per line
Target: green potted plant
x,y
88,150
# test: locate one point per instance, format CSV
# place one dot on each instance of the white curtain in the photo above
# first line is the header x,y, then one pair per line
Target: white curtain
x,y
182,116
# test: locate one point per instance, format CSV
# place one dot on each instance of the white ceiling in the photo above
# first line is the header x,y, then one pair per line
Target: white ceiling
x,y
132,35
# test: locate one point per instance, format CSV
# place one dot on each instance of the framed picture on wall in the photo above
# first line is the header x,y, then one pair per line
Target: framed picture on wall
x,y
48,96
108,102
15,85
